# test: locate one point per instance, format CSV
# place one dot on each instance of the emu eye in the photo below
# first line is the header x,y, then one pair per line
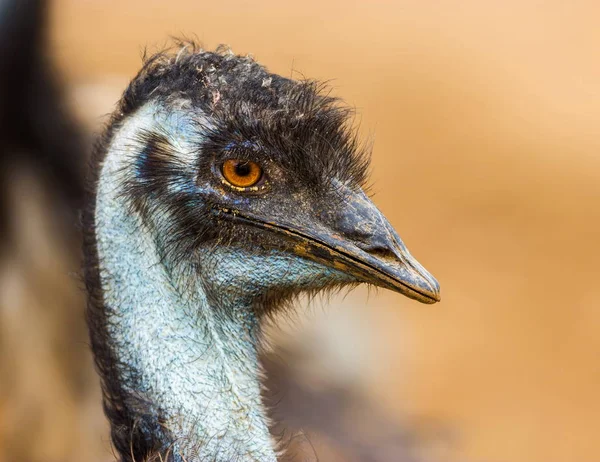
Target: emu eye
x,y
242,173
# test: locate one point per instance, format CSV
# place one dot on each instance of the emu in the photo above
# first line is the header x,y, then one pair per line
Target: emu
x,y
219,193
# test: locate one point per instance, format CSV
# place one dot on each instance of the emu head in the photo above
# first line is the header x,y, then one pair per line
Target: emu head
x,y
254,182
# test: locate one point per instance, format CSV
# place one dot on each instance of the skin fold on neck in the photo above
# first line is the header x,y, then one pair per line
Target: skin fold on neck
x,y
194,363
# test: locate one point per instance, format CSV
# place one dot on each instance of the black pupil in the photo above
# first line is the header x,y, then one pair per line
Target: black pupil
x,y
243,169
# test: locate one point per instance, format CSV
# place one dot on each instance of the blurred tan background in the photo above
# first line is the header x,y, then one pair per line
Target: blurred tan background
x,y
486,121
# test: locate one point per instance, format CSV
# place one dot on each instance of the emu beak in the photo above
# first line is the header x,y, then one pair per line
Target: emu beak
x,y
354,238
359,240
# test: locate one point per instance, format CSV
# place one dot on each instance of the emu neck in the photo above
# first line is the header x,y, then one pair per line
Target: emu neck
x,y
193,365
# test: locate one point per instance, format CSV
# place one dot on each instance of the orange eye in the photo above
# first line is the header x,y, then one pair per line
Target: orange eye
x,y
242,173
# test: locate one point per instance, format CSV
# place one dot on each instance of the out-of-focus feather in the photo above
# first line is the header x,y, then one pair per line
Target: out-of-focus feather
x,y
37,132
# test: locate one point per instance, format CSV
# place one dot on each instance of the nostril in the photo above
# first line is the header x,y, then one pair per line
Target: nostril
x,y
354,232
378,251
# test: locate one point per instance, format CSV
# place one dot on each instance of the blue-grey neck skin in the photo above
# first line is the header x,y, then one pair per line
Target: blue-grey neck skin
x,y
193,360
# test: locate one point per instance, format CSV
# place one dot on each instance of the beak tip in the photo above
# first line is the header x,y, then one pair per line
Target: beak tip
x,y
434,290
437,297
428,288
431,296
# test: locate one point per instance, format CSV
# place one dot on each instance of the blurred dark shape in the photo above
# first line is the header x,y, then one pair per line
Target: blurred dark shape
x,y
46,377
36,130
